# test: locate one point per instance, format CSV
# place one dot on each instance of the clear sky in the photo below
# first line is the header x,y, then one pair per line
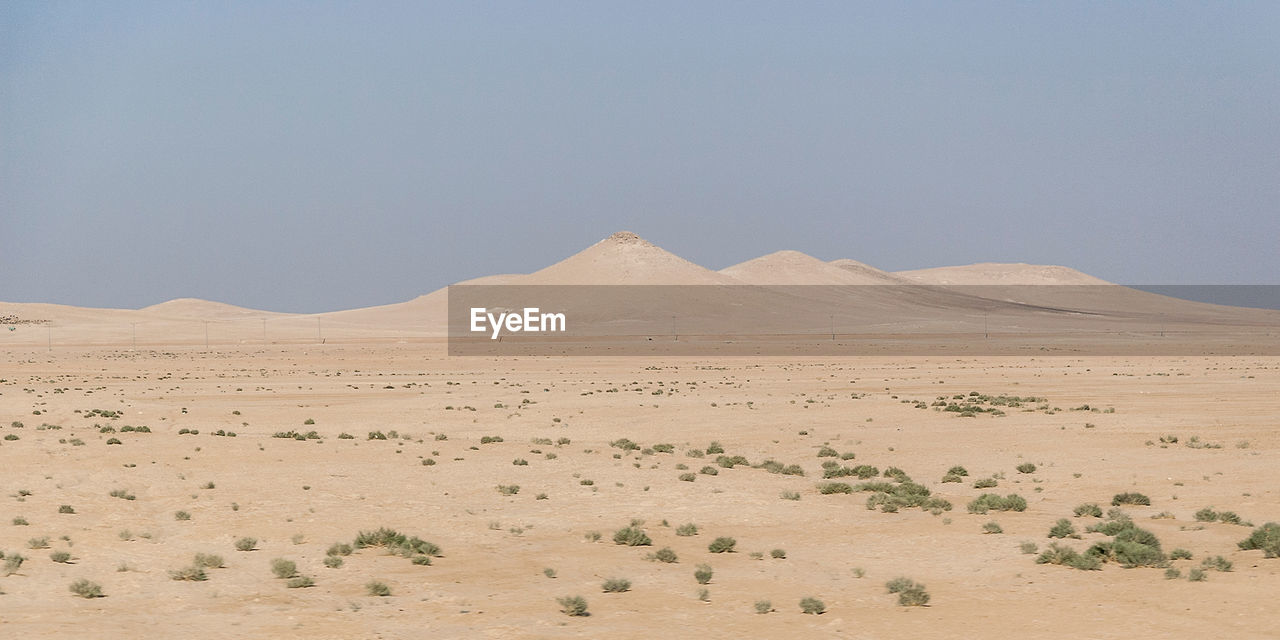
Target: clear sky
x,y
318,156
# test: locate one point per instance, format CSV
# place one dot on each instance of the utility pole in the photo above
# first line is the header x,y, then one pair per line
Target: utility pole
x,y
206,335
833,327
674,334
985,333
50,339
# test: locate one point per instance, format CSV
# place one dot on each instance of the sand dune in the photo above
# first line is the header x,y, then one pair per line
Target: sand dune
x,y
997,273
796,268
625,258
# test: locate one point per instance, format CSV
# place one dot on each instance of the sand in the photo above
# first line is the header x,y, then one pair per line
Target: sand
x,y
373,372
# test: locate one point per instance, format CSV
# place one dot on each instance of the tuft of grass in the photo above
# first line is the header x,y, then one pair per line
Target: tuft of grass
x,y
632,537
689,529
300,582
763,606
1216,563
61,557
193,573
1130,498
246,544
616,585
12,563
1197,575
181,516
722,545
790,495
66,508
1026,467
665,555
1063,529
333,562
573,606
283,568
703,573
1088,509
812,606
377,588
992,502
209,560
992,527
86,589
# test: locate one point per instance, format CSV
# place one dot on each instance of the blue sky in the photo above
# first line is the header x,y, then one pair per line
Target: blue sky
x,y
318,156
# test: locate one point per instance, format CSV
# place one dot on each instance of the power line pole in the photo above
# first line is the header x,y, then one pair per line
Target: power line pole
x,y
135,335
206,335
833,327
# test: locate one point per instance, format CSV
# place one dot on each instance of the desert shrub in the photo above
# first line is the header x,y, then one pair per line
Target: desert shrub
x,y
689,529
763,606
664,448
86,589
812,606
1064,555
1229,517
1179,554
709,470
1088,509
632,537
688,477
1172,574
913,596
1026,467
377,588
1206,515
992,502
209,560
778,554
985,483
958,471
789,495
339,549
181,516
992,527
573,606
1197,575
300,582
38,543
192,573
666,555
61,557
246,544
827,452
828,488
283,568
722,545
714,448
1062,529
703,573
19,521
66,508
1027,547
1266,538
12,563
1216,563
333,562
616,585
396,543
1130,498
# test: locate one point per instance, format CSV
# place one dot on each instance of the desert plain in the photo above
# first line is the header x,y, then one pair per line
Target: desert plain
x,y
506,484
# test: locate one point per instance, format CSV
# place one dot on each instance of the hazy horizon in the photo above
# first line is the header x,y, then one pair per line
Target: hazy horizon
x,y
315,157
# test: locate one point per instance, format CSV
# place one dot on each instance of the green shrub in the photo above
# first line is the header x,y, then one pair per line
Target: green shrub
x,y
992,527
1130,498
763,606
283,568
66,508
914,596
688,477
1026,467
508,489
1062,529
181,516
1172,574
992,502
1266,538
812,606
1088,509
1179,554
702,574
86,589
689,529
631,537
1216,563
829,488
985,483
666,555
573,606
1206,515
616,585
12,563
778,554
722,545
958,471
333,562
1197,575
339,549
789,495
300,582
377,588
209,560
714,448
246,544
192,573
61,557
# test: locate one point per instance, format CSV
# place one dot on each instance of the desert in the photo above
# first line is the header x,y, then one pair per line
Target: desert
x,y
358,481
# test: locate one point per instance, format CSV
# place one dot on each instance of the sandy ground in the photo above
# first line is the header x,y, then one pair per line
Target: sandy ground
x,y
299,497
